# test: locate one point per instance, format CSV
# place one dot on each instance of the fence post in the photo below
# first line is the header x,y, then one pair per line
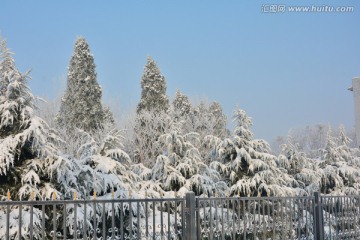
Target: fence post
x,y
318,217
190,219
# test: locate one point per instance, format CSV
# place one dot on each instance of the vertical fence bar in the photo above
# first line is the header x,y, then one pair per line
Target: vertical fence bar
x,y
263,205
211,220
268,214
138,220
356,200
154,223
290,217
43,221
227,214
298,217
233,218
205,223
104,222
342,215
85,222
244,218
20,221
130,220
7,221
94,220
216,216
350,216
282,219
64,221
273,217
331,212
336,218
168,224
75,221
112,220
121,220
175,224
305,221
198,218
239,213
222,219
254,213
146,219
318,219
54,221
190,216
161,218
31,221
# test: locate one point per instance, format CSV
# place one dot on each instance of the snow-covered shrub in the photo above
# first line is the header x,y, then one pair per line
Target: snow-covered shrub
x,y
247,165
180,166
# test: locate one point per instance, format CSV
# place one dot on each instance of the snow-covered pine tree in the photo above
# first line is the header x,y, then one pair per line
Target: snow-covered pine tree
x,y
23,137
152,118
81,105
149,126
153,85
181,105
101,154
247,164
180,166
29,160
302,168
206,119
339,166
219,117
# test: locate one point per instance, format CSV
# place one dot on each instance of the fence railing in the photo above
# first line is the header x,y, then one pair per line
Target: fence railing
x,y
310,217
93,219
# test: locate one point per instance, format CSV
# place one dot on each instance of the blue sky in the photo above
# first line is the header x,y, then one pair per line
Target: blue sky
x,y
286,70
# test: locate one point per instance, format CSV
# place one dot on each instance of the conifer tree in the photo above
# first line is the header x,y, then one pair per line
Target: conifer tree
x,y
81,105
181,104
152,118
339,166
299,166
23,136
153,85
181,168
149,126
247,164
29,160
206,120
219,117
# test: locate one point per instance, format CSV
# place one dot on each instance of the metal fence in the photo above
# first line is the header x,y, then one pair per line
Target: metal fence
x,y
93,219
311,217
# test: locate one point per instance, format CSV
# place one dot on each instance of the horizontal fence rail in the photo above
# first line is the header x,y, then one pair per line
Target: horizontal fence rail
x,y
310,217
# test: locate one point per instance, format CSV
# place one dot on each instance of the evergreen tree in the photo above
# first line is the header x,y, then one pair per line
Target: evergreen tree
x,y
30,164
152,118
149,126
339,166
206,120
181,104
180,166
302,168
81,105
153,85
247,164
216,112
23,136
